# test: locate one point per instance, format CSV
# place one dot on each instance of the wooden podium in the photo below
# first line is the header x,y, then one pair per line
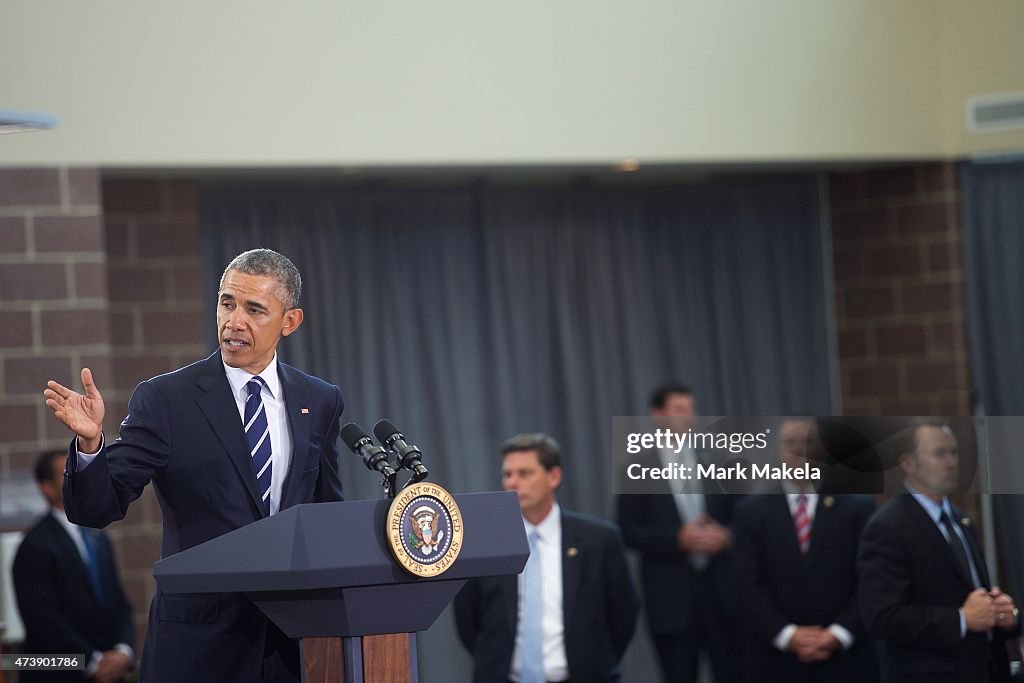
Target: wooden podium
x,y
324,573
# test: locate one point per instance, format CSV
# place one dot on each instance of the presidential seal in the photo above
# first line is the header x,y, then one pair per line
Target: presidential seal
x,y
424,529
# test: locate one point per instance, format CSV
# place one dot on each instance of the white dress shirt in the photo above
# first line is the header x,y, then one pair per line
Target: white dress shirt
x,y
277,418
74,531
841,633
272,396
549,546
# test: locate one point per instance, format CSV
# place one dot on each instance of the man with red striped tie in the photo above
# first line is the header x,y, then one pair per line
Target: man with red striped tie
x,y
796,553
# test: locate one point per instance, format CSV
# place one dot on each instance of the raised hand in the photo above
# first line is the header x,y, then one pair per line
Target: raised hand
x,y
82,414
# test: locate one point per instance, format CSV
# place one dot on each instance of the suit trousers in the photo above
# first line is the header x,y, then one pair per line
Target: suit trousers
x,y
708,630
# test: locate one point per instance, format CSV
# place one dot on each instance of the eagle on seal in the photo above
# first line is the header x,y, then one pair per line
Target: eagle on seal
x,y
424,522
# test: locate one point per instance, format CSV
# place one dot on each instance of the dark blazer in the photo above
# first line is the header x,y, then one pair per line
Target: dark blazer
x,y
910,590
57,603
650,524
183,432
778,585
599,606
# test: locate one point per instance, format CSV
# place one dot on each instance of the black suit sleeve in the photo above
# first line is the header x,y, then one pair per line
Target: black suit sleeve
x,y
644,531
101,492
34,570
748,550
328,484
850,618
886,601
621,597
467,614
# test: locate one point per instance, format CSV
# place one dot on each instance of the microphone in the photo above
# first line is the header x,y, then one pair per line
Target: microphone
x,y
374,457
408,455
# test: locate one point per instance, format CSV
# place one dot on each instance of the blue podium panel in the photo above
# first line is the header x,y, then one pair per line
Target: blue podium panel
x,y
325,569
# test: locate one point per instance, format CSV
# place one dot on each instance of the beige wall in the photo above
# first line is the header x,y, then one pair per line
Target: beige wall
x,y
982,54
329,82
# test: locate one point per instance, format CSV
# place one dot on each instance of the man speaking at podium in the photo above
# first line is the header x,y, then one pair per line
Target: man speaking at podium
x,y
226,441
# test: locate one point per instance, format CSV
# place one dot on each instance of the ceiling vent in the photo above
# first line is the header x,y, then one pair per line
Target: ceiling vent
x,y
987,113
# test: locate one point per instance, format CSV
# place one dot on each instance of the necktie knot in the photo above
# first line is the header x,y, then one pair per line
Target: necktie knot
x,y
255,386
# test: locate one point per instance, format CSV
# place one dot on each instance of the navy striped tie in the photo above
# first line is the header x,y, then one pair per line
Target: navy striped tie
x,y
257,432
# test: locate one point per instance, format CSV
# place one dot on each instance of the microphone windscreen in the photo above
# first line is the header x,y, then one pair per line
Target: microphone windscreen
x,y
384,430
352,433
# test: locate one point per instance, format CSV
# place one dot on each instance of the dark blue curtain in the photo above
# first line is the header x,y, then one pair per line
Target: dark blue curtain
x,y
993,212
468,314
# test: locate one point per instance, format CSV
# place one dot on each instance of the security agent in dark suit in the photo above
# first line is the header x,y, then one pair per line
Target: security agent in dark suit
x,y
796,573
685,543
69,595
226,441
924,587
572,612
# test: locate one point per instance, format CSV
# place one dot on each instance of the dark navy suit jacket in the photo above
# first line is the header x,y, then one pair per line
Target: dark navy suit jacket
x,y
778,585
57,603
911,587
650,524
183,432
599,607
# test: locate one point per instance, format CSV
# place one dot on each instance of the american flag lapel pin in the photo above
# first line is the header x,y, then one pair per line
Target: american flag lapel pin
x,y
304,411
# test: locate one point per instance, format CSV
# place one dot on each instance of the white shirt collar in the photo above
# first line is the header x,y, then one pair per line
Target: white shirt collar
x,y
933,509
795,489
547,525
238,377
73,529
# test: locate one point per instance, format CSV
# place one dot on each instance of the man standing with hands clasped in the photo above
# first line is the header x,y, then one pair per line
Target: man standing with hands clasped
x,y
684,539
226,441
924,587
796,575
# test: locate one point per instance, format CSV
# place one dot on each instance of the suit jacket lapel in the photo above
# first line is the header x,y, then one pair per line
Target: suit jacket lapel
x,y
931,532
69,549
666,500
295,399
821,524
964,523
571,565
786,529
218,405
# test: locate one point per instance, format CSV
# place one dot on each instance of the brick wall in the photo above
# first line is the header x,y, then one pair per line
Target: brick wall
x,y
104,275
899,278
900,291
53,301
157,324
107,274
